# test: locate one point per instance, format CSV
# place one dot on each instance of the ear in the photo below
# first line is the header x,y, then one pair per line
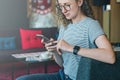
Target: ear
x,y
80,2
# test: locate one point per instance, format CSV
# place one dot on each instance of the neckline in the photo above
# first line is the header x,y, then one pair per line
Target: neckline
x,y
79,21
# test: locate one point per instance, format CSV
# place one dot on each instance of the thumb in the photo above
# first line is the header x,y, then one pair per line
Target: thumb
x,y
59,51
51,39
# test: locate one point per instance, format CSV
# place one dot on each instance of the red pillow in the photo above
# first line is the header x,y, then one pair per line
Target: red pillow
x,y
29,39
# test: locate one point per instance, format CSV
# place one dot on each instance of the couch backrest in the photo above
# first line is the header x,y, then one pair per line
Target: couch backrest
x,y
11,33
5,55
48,32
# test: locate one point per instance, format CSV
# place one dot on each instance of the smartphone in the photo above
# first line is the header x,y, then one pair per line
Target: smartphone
x,y
46,40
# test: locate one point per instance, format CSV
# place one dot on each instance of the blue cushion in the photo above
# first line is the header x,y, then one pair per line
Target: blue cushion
x,y
7,43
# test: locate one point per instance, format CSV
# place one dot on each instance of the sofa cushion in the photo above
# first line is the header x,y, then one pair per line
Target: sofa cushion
x,y
29,39
7,43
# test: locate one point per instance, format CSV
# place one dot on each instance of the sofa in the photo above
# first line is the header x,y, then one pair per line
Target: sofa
x,y
20,41
95,70
10,67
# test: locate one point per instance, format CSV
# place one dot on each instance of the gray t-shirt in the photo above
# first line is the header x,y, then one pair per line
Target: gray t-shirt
x,y
83,34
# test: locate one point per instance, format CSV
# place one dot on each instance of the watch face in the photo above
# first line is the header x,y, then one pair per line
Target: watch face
x,y
41,6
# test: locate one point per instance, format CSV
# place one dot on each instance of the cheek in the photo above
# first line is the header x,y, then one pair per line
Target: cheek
x,y
73,13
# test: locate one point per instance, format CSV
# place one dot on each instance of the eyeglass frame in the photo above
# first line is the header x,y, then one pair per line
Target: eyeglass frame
x,y
65,6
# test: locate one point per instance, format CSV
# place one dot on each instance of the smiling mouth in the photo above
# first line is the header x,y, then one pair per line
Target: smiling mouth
x,y
66,14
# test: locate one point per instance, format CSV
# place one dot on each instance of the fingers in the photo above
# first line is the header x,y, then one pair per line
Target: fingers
x,y
58,46
51,46
44,42
48,44
51,39
51,43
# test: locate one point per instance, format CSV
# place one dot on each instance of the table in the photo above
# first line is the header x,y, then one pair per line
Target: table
x,y
44,63
25,58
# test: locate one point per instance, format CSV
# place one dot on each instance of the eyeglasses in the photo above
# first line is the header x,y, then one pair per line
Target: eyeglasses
x,y
65,6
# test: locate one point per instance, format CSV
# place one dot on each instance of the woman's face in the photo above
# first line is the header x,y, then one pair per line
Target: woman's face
x,y
70,8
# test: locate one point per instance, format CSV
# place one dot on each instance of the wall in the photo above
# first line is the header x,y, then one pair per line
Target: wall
x,y
13,14
97,11
106,23
110,20
115,22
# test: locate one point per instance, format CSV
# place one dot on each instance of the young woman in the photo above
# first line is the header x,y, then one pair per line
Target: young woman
x,y
79,35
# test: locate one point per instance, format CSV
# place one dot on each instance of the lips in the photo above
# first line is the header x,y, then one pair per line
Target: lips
x,y
66,13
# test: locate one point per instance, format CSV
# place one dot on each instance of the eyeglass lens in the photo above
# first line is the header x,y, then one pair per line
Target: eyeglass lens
x,y
66,7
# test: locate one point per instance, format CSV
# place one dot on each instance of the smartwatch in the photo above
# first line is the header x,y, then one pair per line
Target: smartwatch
x,y
75,50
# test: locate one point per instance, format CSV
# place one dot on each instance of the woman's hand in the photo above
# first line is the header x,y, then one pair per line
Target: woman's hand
x,y
62,45
51,46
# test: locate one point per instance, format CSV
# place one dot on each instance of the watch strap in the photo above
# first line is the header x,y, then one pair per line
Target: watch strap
x,y
76,49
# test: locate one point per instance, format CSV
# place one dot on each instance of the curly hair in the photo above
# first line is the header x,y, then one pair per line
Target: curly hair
x,y
85,8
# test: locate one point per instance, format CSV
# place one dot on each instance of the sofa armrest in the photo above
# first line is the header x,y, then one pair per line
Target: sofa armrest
x,y
104,71
95,70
